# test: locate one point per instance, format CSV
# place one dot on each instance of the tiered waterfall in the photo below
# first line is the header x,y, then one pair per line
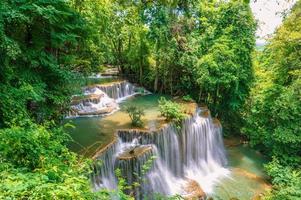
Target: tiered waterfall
x,y
195,152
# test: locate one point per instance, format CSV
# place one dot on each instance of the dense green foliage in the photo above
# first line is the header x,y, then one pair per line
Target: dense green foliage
x,y
37,39
273,114
196,49
34,164
200,48
135,114
187,98
286,181
41,43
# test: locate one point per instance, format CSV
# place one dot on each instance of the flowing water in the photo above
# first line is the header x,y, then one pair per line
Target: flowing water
x,y
92,133
116,90
195,152
247,179
161,158
101,99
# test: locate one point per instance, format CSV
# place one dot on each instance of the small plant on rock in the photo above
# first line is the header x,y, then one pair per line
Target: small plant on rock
x,y
187,98
135,114
172,111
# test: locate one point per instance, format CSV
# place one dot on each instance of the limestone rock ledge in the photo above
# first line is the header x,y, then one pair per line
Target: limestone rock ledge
x,y
135,152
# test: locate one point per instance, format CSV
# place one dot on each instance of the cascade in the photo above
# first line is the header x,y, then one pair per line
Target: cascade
x,y
101,99
194,155
103,175
135,159
118,90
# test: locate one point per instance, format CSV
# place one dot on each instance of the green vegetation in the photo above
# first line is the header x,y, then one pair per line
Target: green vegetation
x,y
172,111
35,164
273,111
197,48
286,181
41,45
135,114
200,50
187,98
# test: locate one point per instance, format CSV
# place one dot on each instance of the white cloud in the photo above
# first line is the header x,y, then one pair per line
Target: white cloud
x,y
268,14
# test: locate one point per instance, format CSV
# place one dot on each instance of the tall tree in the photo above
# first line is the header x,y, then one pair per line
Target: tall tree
x,y
39,50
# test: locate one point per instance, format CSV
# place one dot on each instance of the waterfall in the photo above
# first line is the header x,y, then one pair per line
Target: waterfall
x,y
103,175
193,154
101,99
118,90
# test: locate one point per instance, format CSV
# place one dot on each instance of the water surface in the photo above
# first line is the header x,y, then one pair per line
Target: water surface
x,y
91,133
247,179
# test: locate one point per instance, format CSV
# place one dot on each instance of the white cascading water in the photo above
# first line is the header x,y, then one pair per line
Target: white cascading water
x,y
196,152
102,99
119,90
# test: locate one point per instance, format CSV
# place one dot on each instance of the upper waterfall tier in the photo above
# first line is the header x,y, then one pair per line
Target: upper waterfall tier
x,y
194,153
101,99
116,90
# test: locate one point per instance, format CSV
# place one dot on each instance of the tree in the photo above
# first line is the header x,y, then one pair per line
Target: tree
x,y
273,117
39,51
273,110
41,43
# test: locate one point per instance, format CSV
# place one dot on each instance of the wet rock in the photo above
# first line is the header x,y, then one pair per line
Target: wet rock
x,y
205,112
216,122
111,146
135,152
112,71
132,164
194,191
94,98
101,111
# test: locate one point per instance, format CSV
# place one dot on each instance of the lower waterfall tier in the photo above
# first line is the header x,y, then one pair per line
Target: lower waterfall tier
x,y
196,152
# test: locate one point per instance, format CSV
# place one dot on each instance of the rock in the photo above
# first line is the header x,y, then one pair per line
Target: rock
x,y
112,71
94,98
205,113
194,191
216,122
102,111
135,152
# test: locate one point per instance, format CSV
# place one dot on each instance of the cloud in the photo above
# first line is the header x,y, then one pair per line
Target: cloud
x,y
268,13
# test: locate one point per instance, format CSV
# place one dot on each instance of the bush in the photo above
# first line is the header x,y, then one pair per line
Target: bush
x,y
35,164
187,98
171,111
135,114
286,181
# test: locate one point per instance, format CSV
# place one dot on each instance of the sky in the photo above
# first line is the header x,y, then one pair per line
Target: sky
x,y
268,14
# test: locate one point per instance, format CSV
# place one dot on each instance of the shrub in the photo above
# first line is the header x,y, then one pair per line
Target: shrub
x,y
135,114
171,111
35,164
286,181
187,98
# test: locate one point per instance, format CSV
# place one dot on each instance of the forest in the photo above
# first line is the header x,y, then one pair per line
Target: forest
x,y
203,51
